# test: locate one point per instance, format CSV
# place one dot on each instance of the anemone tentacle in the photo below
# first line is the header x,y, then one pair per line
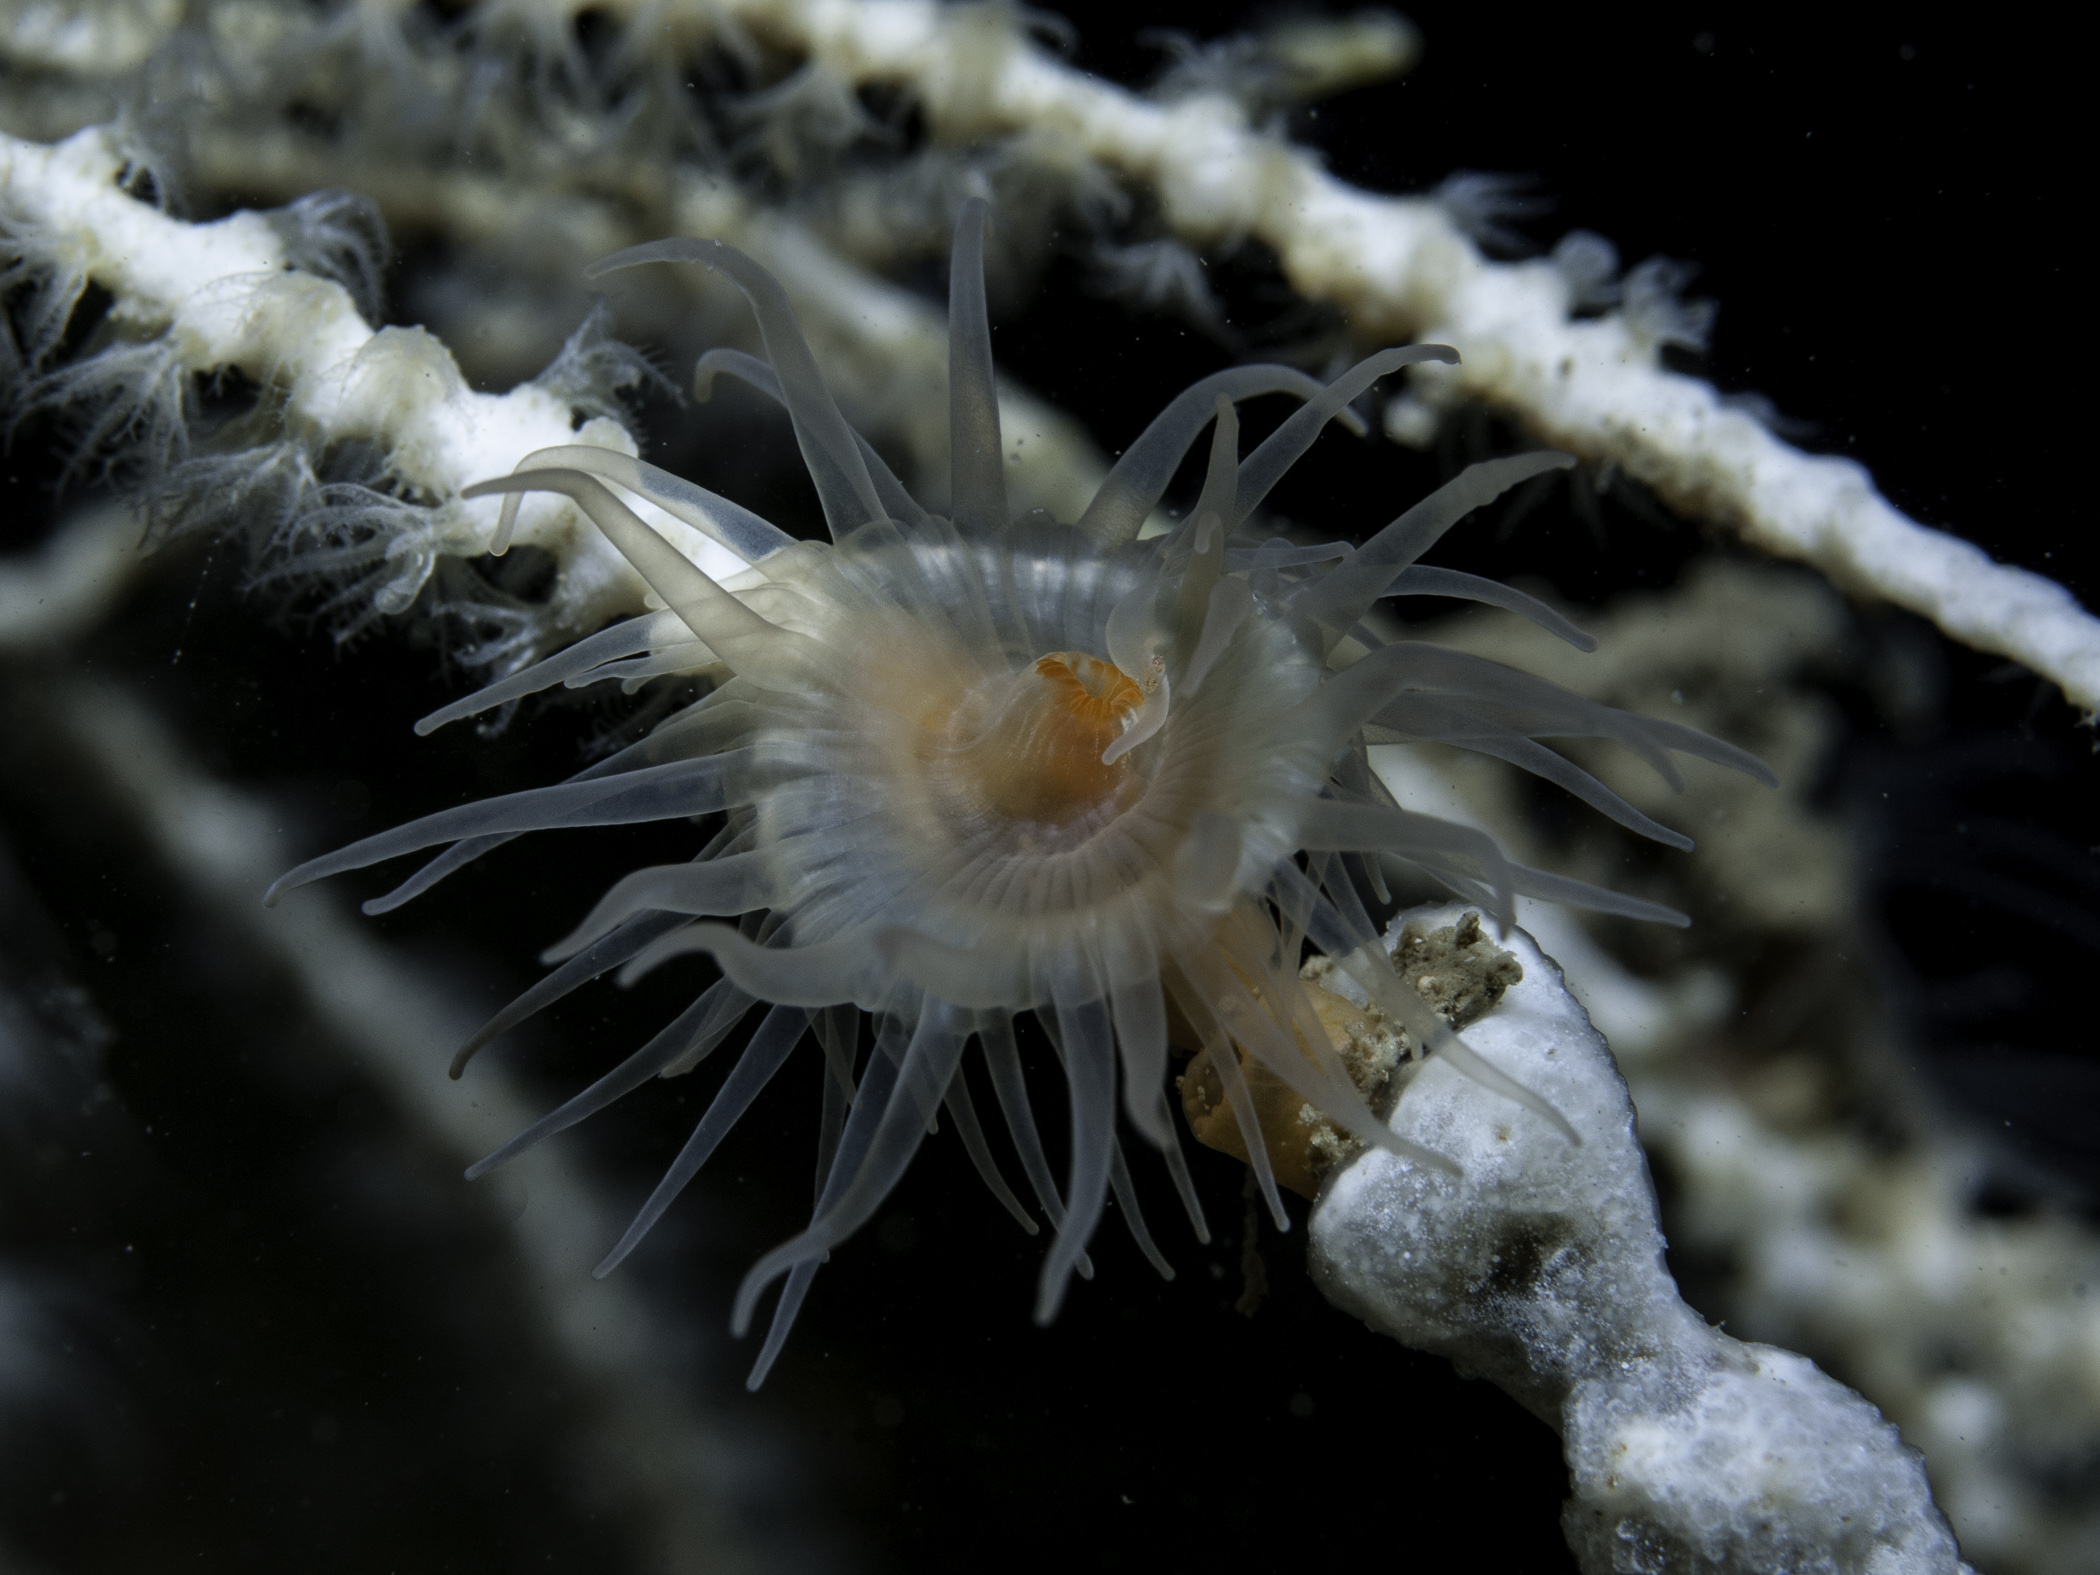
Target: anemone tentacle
x,y
830,449
977,767
977,457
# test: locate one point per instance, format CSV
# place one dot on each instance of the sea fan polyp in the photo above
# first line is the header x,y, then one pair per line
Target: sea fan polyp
x,y
959,769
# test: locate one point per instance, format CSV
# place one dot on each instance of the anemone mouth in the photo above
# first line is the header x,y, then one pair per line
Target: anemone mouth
x,y
974,793
1025,749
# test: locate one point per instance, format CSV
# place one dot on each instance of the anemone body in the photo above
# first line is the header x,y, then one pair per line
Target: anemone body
x,y
976,766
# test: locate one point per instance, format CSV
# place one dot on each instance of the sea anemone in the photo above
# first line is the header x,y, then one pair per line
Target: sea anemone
x,y
971,767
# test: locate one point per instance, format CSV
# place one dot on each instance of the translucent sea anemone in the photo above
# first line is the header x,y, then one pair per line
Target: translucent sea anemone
x,y
972,767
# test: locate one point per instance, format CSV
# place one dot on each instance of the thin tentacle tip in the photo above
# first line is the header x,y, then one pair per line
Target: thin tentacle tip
x,y
624,258
644,965
1430,1159
1050,1293
1565,1126
493,1161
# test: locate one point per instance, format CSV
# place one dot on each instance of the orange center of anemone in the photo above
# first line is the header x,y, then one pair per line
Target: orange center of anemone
x,y
1031,750
1089,693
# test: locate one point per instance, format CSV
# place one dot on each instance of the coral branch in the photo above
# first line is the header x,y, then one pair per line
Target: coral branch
x,y
1541,1268
1402,268
224,297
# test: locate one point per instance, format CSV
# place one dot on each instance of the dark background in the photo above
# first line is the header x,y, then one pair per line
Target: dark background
x,y
1878,209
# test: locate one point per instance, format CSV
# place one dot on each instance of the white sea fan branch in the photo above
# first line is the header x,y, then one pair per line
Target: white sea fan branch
x,y
1402,268
200,301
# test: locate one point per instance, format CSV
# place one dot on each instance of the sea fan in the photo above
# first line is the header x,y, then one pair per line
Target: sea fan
x,y
972,767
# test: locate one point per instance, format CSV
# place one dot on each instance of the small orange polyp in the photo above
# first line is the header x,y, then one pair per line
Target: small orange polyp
x,y
1036,756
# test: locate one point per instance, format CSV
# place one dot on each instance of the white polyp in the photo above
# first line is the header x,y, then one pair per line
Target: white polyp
x,y
1541,1268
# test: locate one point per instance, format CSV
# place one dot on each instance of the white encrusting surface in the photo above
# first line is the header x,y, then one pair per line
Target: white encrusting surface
x,y
1541,1268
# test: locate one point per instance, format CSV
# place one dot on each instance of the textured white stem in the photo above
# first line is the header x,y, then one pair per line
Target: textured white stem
x,y
1398,267
1541,1268
222,297
1402,269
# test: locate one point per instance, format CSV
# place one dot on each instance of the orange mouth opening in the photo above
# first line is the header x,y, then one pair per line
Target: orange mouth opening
x,y
1037,756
